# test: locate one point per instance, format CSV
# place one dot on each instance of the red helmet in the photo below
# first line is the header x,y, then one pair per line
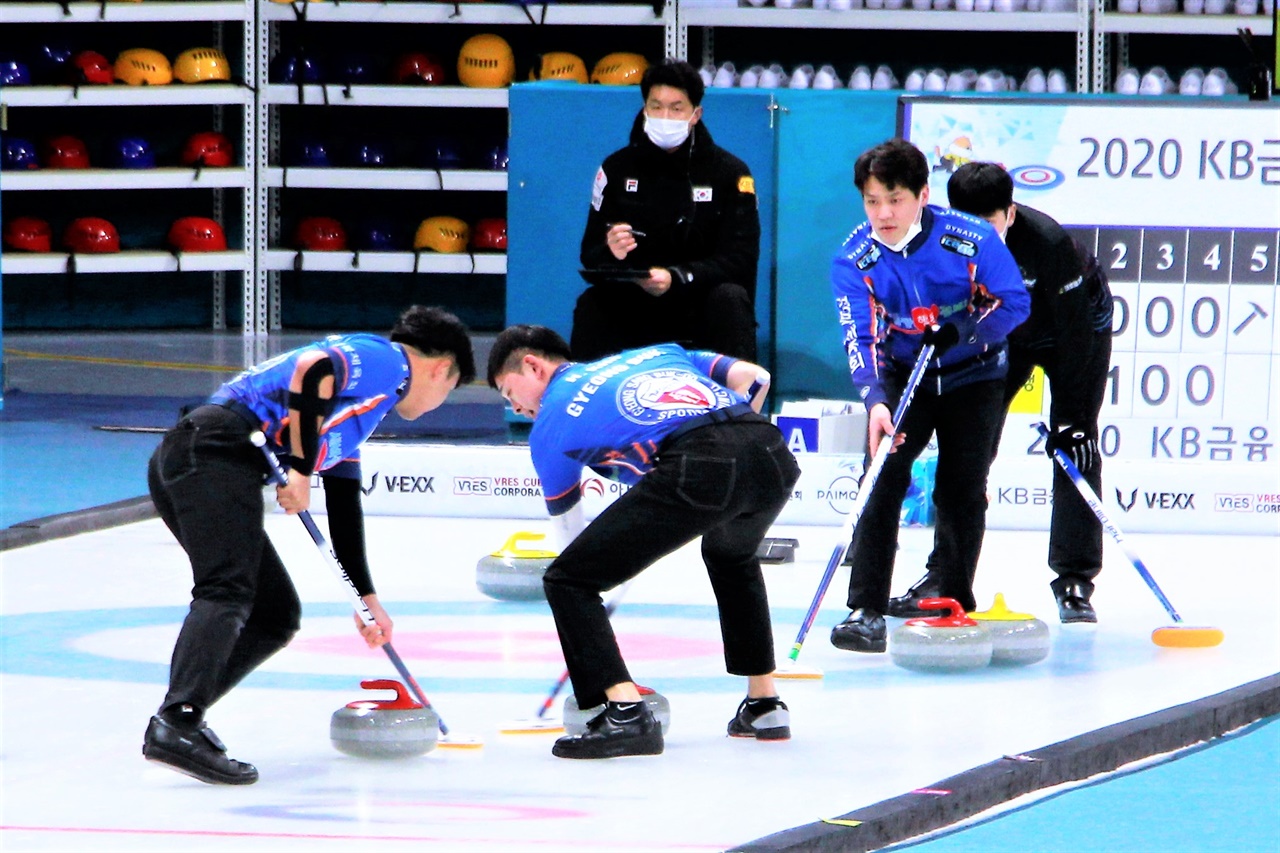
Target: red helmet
x,y
320,234
490,234
418,68
197,234
91,236
209,149
66,152
89,66
28,234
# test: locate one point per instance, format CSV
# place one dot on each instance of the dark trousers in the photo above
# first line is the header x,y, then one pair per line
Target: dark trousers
x,y
966,421
726,483
206,481
1075,536
614,317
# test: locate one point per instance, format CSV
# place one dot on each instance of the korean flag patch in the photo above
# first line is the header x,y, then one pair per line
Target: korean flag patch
x,y
702,193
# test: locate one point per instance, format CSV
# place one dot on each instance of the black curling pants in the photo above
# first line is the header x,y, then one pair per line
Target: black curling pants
x,y
966,421
1075,536
613,317
726,483
206,480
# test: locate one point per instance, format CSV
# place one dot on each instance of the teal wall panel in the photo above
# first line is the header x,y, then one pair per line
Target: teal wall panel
x,y
560,133
822,133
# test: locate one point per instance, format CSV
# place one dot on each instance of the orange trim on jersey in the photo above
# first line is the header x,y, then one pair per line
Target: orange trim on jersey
x,y
351,411
575,487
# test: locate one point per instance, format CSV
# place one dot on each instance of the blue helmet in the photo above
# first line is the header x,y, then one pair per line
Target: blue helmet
x,y
296,67
442,153
51,61
14,72
19,154
311,152
357,69
369,153
380,235
131,152
495,157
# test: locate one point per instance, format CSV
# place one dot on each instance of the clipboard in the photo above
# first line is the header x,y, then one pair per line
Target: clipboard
x,y
614,275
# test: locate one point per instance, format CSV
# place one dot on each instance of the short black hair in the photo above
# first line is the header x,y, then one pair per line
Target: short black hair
x,y
436,332
514,342
980,188
675,73
895,163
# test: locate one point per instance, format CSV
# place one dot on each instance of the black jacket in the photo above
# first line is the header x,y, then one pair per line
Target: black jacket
x,y
696,206
1070,304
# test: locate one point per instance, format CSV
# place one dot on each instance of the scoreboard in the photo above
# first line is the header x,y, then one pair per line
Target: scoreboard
x,y
1181,205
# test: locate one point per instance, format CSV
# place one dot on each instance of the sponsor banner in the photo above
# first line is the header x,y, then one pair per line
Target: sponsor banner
x,y
1140,496
1143,164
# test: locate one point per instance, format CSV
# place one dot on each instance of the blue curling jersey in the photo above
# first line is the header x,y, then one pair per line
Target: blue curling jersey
x,y
370,374
611,415
955,270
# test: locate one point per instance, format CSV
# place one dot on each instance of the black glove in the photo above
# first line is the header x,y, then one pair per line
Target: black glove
x,y
941,338
1080,445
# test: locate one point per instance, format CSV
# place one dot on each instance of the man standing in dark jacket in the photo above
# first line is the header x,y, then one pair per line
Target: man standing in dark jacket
x,y
1069,335
673,234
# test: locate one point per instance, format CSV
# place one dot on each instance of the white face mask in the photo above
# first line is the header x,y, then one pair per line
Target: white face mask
x,y
666,133
912,231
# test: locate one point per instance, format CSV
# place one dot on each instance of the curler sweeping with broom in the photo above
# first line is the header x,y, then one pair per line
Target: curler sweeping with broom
x,y
316,405
684,430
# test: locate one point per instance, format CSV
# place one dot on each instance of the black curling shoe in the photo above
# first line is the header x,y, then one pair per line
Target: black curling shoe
x,y
1073,602
762,719
622,728
197,752
907,605
862,631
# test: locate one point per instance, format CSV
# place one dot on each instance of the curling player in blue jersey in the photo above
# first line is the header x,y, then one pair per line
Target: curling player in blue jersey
x,y
914,275
683,430
316,405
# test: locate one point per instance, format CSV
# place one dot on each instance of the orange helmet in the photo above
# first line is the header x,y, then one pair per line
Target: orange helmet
x,y
197,234
620,69
442,234
559,65
142,66
201,65
486,62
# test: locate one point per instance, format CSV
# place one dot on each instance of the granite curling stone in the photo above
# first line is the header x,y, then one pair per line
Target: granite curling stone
x,y
951,643
513,573
384,728
1017,639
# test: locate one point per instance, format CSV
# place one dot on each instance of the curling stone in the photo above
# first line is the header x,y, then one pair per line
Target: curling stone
x,y
1017,639
513,573
951,643
575,719
384,728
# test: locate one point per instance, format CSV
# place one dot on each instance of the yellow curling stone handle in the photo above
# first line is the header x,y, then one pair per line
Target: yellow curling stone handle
x,y
512,549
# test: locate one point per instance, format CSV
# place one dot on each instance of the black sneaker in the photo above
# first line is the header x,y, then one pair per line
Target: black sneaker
x,y
197,752
906,606
762,719
622,728
862,631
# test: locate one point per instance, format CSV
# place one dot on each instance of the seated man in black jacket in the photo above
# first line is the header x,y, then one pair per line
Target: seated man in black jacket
x,y
673,234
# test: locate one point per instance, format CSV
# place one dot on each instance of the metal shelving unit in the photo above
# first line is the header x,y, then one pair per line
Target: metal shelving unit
x,y
238,14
